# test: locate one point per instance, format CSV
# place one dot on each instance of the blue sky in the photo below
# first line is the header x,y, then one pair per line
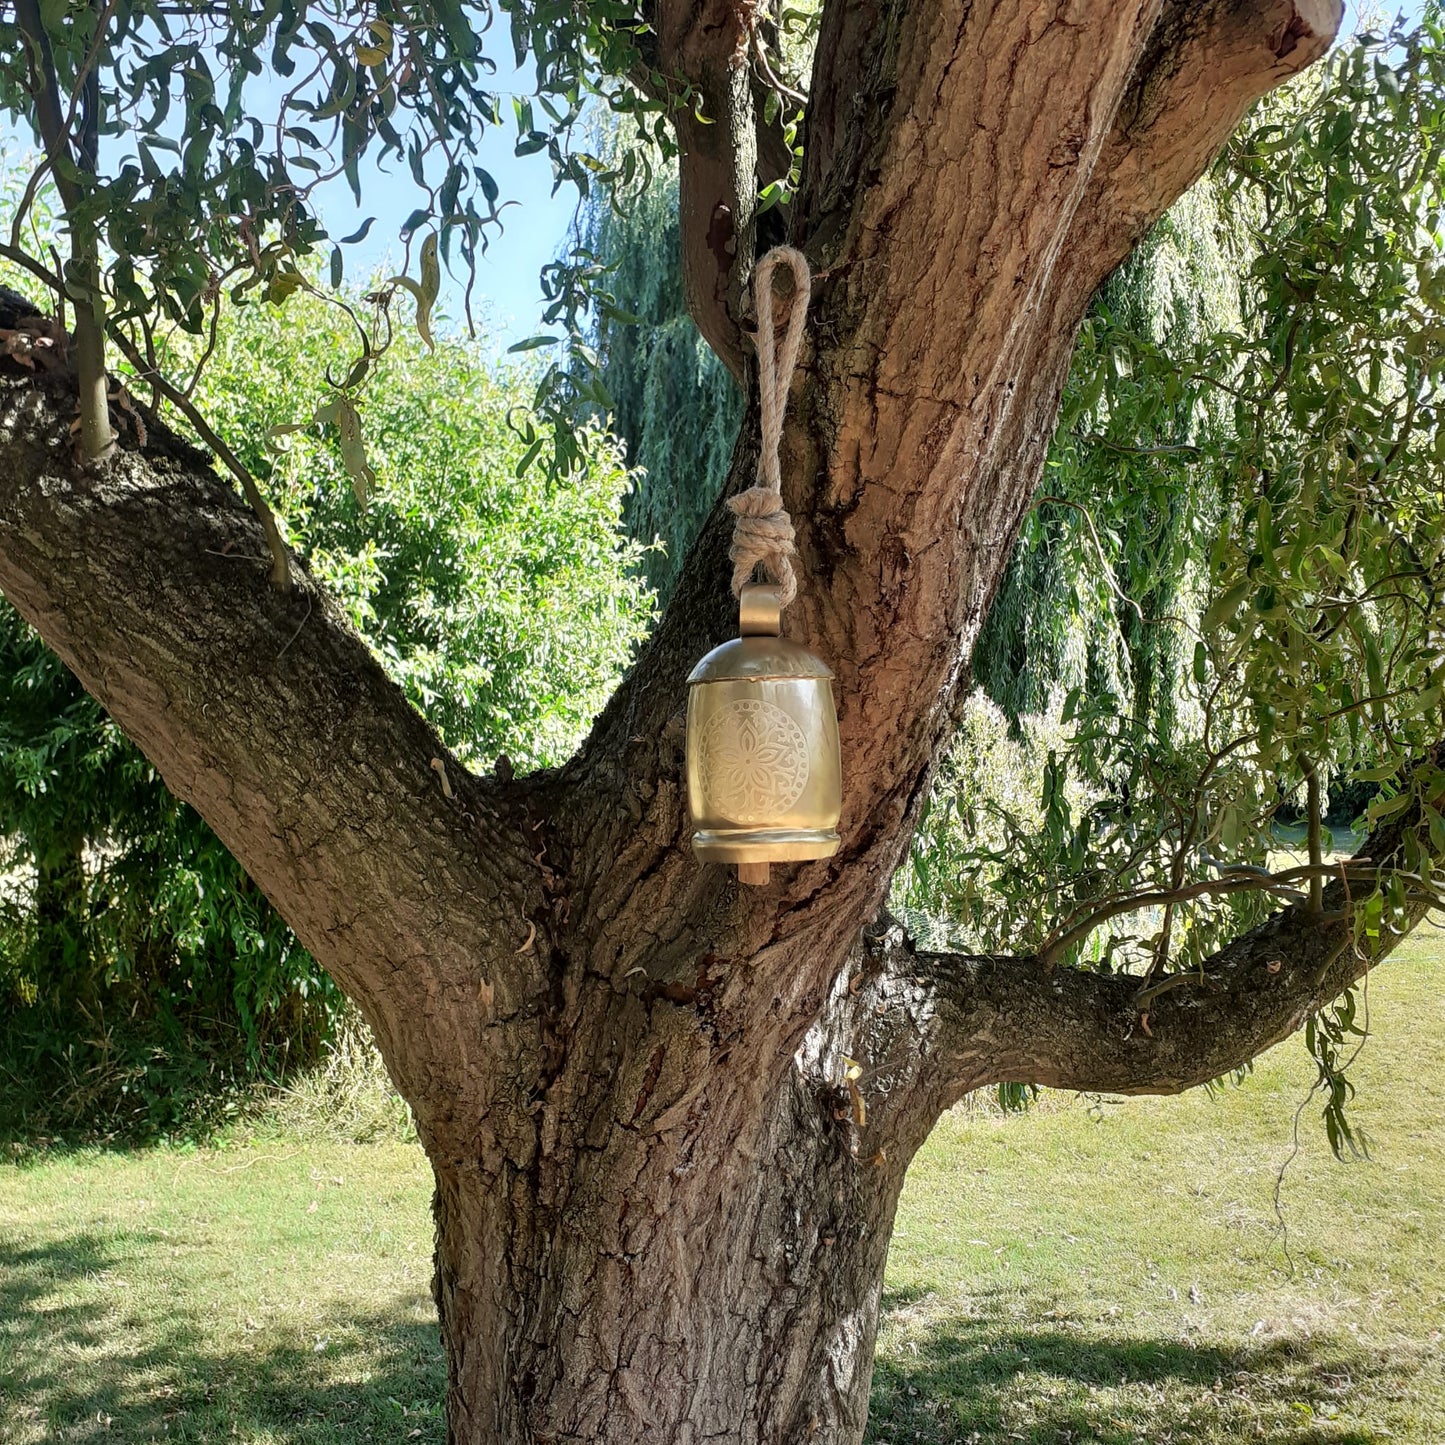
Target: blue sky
x,y
507,299
535,226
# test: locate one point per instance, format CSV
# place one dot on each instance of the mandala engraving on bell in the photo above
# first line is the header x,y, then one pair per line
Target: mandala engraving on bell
x,y
755,761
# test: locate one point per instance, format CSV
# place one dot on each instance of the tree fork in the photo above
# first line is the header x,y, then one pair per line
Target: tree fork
x,y
662,1210
678,1142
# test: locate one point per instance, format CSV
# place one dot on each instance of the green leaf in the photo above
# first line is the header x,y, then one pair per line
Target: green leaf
x,y
428,289
1384,808
529,456
1379,774
1437,830
1224,607
414,223
353,451
423,292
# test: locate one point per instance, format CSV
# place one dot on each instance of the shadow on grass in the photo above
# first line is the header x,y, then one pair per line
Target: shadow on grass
x,y
990,1377
74,1367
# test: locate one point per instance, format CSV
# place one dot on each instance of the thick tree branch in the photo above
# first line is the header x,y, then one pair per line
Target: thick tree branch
x,y
922,334
266,712
963,225
1201,69
727,153
972,1021
958,180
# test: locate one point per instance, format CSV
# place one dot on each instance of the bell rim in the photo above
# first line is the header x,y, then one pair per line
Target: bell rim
x,y
764,845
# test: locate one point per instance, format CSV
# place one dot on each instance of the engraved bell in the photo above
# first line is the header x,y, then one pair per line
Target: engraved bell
x,y
764,782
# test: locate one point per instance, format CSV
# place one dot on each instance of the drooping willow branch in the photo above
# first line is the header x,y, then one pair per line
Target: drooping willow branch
x,y
1240,879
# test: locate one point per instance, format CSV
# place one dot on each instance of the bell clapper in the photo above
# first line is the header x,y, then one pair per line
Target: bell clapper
x,y
754,873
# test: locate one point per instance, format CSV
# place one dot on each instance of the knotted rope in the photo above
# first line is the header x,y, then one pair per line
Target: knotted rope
x,y
763,531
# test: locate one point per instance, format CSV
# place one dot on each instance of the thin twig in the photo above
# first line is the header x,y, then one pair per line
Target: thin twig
x,y
27,199
1234,882
19,258
280,558
1316,841
1108,566
1173,980
760,53
88,350
305,619
97,44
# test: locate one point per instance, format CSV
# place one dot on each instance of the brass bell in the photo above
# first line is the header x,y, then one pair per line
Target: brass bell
x,y
764,781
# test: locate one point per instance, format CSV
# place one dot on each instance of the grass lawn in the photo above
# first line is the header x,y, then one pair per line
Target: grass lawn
x,y
1098,1271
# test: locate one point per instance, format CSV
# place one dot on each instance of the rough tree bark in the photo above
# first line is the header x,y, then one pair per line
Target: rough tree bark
x,y
660,1214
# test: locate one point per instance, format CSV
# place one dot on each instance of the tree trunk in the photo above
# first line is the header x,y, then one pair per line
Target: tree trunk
x,y
698,1254
684,1285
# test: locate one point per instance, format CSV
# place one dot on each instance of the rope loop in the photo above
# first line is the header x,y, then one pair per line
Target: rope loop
x,y
762,530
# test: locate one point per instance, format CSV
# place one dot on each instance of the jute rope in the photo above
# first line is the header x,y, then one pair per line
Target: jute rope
x,y
763,531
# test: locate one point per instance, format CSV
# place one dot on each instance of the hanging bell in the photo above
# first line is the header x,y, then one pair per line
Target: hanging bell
x,y
764,781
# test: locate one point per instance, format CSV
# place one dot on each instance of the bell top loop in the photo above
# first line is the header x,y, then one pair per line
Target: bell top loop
x,y
760,610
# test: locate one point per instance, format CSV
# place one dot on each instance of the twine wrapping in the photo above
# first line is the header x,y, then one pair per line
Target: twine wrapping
x,y
763,531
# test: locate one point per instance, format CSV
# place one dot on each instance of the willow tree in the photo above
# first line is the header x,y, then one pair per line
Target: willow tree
x,y
663,1199
671,400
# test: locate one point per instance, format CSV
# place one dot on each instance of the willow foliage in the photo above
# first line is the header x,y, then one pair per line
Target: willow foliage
x,y
673,401
1112,547
1236,604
